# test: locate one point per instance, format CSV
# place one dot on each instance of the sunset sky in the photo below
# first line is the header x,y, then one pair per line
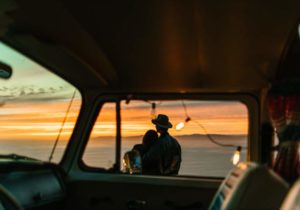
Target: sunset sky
x,y
218,117
34,102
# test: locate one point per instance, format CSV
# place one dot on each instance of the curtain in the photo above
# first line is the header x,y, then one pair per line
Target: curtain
x,y
285,114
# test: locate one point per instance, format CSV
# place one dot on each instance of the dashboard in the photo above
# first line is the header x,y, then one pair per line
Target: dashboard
x,y
35,188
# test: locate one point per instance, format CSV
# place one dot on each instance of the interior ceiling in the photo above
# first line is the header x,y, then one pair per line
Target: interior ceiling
x,y
165,44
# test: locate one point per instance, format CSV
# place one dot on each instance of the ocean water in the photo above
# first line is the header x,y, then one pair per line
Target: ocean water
x,y
200,157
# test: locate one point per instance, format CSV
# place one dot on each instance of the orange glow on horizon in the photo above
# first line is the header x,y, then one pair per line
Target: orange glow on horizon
x,y
37,121
225,119
42,121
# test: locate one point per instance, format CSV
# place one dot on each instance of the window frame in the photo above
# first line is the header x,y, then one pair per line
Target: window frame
x,y
249,100
96,112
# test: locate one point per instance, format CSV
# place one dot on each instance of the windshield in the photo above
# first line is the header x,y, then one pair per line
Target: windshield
x,y
37,109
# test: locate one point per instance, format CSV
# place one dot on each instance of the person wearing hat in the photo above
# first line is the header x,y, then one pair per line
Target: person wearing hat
x,y
165,154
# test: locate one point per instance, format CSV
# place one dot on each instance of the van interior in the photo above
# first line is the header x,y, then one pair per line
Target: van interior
x,y
81,82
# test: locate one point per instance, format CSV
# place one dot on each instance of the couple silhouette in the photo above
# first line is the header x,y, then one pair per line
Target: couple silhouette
x,y
157,154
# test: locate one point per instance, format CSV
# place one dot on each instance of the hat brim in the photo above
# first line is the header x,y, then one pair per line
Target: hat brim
x,y
169,125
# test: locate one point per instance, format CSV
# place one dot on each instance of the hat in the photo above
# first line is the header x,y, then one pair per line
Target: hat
x,y
162,121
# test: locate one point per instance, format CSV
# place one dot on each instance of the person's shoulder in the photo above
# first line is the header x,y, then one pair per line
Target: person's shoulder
x,y
175,140
172,137
138,147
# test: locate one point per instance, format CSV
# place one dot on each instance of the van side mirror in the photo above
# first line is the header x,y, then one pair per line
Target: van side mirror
x,y
5,71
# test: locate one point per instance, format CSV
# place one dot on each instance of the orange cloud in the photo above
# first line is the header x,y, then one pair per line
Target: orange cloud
x,y
42,121
217,118
37,121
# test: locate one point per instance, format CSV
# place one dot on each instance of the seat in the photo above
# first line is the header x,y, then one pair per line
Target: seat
x,y
292,200
250,186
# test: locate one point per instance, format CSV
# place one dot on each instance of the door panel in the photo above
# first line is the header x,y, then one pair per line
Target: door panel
x,y
117,192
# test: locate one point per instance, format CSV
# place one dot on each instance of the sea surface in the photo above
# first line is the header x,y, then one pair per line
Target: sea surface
x,y
200,157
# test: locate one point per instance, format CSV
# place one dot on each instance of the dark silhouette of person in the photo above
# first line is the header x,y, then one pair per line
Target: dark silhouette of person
x,y
165,155
149,139
133,158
